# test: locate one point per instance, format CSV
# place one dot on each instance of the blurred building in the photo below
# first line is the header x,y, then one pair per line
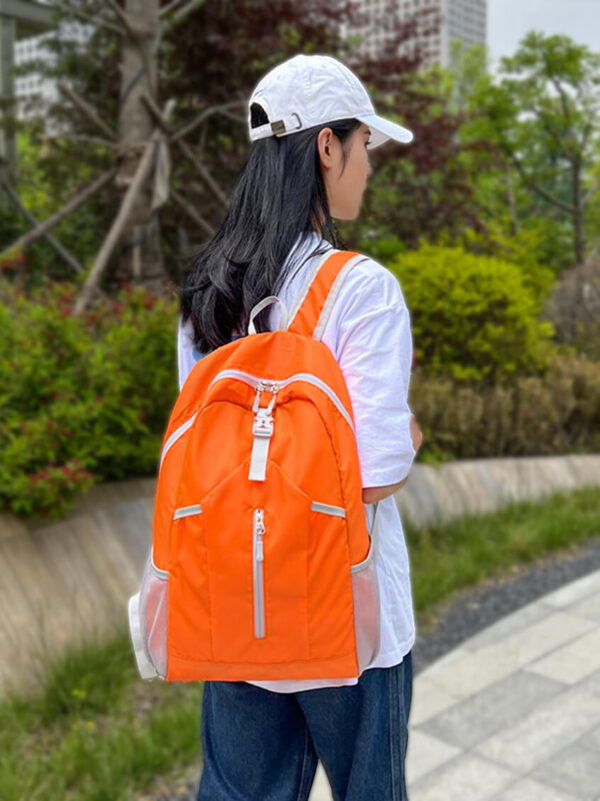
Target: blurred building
x,y
462,20
19,20
26,26
34,91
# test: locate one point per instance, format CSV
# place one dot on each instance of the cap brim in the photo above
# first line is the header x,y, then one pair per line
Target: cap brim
x,y
382,130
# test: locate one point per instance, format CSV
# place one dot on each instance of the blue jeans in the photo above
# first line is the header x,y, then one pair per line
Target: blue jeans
x,y
264,746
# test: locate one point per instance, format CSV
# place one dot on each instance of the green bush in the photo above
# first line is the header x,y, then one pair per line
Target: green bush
x,y
473,317
557,411
82,399
87,399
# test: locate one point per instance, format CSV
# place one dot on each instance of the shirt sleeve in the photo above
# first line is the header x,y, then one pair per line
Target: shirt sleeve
x,y
186,355
374,351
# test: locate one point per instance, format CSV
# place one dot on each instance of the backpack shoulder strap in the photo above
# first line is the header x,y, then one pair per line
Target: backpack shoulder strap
x,y
312,310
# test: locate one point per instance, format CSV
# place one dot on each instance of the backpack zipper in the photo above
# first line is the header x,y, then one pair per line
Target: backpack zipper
x,y
179,432
274,386
257,573
262,384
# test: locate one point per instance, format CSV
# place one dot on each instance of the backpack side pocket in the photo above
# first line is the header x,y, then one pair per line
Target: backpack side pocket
x,y
148,622
365,593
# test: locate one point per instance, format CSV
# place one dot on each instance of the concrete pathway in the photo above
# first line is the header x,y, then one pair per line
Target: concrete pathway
x,y
513,714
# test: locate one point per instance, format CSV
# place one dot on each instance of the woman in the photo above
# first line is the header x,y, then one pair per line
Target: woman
x,y
313,123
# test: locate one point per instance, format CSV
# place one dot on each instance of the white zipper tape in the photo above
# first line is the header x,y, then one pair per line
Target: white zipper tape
x,y
254,380
175,436
337,511
257,573
187,511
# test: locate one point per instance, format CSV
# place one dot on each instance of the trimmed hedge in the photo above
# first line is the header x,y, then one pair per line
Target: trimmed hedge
x,y
556,411
473,317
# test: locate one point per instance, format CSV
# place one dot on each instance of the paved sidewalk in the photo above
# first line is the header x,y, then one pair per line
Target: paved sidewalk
x,y
513,714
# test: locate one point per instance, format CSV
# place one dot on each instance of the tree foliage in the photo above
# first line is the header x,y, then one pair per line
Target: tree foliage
x,y
215,57
542,113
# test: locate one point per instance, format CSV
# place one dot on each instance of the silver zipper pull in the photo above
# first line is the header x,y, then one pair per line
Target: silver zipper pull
x,y
260,530
265,386
255,405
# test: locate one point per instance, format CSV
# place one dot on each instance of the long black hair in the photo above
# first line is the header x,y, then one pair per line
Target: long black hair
x,y
278,195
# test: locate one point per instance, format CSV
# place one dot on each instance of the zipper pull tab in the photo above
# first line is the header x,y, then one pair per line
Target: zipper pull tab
x,y
259,525
255,405
265,386
259,520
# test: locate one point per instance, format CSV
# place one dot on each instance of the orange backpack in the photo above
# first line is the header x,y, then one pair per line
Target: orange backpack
x,y
262,566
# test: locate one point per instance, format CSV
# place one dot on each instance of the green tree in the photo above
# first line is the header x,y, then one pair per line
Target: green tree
x,y
542,113
211,62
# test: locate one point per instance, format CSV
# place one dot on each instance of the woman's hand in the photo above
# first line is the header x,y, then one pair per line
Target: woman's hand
x,y
415,432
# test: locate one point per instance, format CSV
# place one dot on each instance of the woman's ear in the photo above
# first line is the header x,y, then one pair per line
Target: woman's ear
x,y
324,144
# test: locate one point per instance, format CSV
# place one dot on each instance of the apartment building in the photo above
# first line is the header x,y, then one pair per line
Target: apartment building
x,y
19,21
463,20
34,92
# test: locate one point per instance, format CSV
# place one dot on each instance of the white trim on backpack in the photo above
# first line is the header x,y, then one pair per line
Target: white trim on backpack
x,y
307,284
328,509
333,294
175,436
254,381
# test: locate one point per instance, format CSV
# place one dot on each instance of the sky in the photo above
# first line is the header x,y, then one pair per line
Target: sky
x,y
509,20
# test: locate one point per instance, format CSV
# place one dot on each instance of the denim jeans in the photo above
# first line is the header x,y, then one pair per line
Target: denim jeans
x,y
264,746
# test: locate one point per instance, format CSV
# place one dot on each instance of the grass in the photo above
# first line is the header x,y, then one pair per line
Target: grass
x,y
448,557
96,732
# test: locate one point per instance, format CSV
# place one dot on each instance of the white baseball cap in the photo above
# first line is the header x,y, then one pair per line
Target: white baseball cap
x,y
310,90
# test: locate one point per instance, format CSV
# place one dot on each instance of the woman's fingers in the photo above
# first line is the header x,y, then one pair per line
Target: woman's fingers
x,y
415,432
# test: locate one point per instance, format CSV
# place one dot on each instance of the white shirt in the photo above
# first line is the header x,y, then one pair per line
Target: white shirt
x,y
368,332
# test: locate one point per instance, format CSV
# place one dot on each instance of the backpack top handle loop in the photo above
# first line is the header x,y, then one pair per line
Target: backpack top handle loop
x,y
263,304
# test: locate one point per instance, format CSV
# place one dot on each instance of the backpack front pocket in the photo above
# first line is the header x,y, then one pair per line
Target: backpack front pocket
x,y
257,560
329,592
260,575
189,597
